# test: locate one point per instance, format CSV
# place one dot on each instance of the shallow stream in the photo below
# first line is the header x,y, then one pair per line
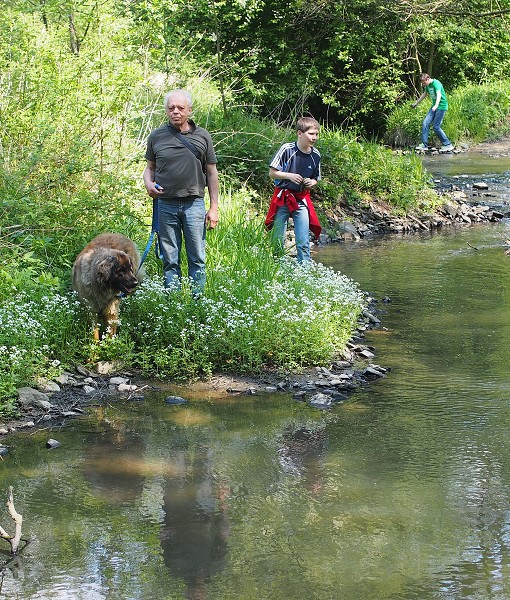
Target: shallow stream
x,y
461,171
403,492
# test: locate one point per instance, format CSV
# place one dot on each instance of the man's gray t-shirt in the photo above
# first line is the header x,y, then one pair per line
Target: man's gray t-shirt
x,y
178,170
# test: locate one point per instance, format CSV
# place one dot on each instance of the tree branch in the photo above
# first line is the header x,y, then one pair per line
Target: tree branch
x,y
14,540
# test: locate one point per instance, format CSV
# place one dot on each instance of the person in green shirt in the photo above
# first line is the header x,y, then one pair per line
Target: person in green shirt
x,y
433,88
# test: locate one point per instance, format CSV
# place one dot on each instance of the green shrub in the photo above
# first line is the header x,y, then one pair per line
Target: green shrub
x,y
354,171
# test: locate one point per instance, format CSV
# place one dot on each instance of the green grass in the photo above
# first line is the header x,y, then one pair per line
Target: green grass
x,y
257,311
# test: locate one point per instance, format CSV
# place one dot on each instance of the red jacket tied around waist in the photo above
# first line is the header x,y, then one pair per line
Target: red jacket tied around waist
x,y
291,198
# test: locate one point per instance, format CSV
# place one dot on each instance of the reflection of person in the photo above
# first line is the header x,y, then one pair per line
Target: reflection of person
x,y
177,176
295,169
302,453
436,113
195,530
113,465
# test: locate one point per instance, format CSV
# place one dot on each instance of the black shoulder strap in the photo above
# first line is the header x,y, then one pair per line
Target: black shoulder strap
x,y
185,142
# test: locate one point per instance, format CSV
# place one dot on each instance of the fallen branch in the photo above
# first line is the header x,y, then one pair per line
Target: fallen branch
x,y
420,223
14,540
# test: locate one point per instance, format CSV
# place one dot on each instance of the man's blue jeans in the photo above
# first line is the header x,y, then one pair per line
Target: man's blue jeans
x,y
434,118
301,220
180,217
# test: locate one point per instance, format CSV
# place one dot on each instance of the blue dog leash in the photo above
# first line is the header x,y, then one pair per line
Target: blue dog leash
x,y
154,232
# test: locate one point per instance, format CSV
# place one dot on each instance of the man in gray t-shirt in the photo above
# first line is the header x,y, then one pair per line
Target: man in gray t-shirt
x,y
177,172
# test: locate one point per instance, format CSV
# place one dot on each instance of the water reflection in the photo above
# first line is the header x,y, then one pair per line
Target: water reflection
x,y
196,527
114,464
302,452
193,517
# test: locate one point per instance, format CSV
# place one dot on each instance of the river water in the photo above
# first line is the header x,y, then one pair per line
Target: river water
x,y
403,492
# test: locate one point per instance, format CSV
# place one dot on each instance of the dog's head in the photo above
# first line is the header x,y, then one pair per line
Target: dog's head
x,y
116,271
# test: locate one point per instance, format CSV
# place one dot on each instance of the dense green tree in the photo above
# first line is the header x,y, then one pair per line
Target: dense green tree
x,y
346,62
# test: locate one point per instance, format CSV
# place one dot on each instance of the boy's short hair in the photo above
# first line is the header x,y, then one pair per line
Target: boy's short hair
x,y
306,123
424,76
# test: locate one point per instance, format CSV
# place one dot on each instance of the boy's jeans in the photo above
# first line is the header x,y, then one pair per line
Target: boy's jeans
x,y
301,220
178,217
434,118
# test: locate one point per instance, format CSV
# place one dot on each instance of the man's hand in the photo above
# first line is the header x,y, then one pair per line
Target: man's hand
x,y
211,218
155,190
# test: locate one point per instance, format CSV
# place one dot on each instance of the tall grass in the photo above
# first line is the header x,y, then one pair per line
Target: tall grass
x,y
356,171
258,311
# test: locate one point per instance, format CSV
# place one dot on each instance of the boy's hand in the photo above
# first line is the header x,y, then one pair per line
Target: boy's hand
x,y
295,178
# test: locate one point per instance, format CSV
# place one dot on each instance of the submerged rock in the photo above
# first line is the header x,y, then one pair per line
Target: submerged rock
x,y
175,400
320,400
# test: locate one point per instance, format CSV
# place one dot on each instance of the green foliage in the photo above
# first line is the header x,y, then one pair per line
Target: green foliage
x,y
357,171
39,333
479,113
347,63
76,105
245,146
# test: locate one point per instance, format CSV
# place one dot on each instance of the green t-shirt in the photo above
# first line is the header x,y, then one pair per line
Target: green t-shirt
x,y
436,86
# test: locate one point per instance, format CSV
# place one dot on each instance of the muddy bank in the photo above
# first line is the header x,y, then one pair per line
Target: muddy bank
x,y
495,149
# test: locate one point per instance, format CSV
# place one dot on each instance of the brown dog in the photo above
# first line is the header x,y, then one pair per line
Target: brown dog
x,y
104,269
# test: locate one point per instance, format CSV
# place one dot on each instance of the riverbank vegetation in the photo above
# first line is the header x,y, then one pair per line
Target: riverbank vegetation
x,y
81,88
257,312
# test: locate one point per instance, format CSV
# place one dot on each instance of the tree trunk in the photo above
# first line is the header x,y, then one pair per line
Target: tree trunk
x,y
74,42
430,61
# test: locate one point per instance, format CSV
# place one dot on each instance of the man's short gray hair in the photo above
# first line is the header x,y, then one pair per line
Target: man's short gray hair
x,y
185,93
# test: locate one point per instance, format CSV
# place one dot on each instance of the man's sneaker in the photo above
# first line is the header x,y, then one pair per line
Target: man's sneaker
x,y
422,147
447,148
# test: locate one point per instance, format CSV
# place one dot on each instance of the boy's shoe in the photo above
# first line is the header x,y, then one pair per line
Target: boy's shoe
x,y
447,148
421,147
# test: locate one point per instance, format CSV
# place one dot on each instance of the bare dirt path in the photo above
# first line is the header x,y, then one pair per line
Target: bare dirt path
x,y
498,148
